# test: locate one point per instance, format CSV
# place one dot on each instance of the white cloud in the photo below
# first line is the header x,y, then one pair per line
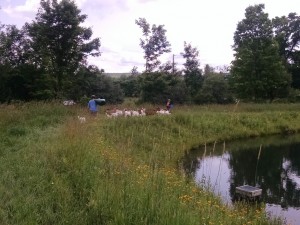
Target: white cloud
x,y
80,3
28,6
207,25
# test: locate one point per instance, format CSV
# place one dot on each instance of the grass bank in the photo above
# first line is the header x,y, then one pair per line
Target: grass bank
x,y
54,170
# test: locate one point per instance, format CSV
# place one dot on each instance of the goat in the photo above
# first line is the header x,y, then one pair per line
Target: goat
x,y
113,112
163,112
69,102
135,113
119,112
81,119
112,115
142,112
127,112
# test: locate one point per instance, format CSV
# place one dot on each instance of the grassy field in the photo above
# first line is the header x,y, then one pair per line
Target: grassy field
x,y
55,170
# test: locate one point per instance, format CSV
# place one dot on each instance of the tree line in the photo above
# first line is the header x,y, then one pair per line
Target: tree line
x,y
47,59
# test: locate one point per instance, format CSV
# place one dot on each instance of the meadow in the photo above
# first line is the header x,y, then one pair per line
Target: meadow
x,y
56,170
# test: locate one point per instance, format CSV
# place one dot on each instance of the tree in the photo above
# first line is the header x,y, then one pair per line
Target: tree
x,y
192,72
208,70
215,89
16,73
83,83
60,44
169,68
134,71
287,34
154,43
257,71
14,46
130,85
159,87
91,81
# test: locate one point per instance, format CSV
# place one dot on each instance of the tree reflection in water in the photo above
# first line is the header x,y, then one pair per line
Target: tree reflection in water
x,y
276,170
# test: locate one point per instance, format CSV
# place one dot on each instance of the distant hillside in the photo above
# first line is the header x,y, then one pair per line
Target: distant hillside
x,y
117,75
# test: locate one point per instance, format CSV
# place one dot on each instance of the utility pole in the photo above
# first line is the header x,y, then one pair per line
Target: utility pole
x,y
173,65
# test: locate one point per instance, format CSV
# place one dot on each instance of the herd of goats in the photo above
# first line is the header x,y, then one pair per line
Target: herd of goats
x,y
112,113
115,112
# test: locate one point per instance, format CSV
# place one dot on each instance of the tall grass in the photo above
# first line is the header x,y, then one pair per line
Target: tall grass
x,y
54,170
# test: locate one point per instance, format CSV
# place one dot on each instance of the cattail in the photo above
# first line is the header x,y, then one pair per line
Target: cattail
x,y
259,152
214,146
204,150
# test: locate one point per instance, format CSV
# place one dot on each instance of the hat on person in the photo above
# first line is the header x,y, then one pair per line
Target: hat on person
x,y
93,96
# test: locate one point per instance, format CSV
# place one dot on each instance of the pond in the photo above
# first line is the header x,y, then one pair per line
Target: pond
x,y
270,163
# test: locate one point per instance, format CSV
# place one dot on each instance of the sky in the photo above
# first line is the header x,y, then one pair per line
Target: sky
x,y
207,25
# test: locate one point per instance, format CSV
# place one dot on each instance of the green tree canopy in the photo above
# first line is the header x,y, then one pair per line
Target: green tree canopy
x,y
154,43
192,72
158,87
215,89
287,34
16,74
257,71
59,42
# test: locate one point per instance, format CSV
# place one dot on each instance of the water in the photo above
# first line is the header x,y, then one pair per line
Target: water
x,y
271,163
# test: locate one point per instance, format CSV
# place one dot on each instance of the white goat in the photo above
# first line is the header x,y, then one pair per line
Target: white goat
x,y
127,112
119,112
142,112
81,119
135,113
163,112
69,102
112,114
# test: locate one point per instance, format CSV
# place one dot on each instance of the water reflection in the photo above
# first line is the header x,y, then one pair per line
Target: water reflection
x,y
271,163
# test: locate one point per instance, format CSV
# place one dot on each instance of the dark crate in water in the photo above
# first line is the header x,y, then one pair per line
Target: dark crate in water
x,y
247,191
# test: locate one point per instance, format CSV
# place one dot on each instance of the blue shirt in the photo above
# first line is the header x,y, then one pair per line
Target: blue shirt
x,y
92,105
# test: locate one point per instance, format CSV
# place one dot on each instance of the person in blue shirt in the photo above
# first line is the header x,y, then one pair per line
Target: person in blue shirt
x,y
92,105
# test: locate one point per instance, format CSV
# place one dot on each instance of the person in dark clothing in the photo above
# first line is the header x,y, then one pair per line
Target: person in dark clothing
x,y
169,105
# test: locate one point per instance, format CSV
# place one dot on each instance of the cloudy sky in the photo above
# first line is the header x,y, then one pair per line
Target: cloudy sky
x,y
208,25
